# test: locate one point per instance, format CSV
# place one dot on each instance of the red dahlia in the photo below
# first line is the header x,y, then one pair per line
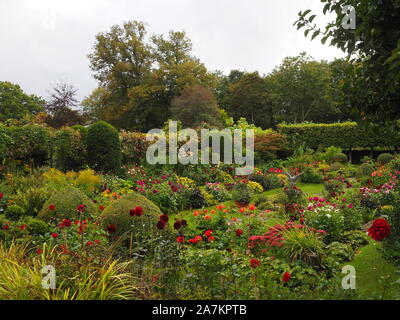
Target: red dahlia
x,y
239,232
286,277
111,228
379,230
254,263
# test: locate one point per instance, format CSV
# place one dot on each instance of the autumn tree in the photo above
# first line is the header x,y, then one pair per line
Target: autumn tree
x,y
61,106
139,76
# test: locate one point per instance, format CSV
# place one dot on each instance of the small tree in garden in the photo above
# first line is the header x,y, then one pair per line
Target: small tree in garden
x,y
104,147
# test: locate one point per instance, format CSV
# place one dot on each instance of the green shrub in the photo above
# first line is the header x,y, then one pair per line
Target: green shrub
x,y
340,251
104,147
70,150
272,182
311,176
118,214
365,170
83,130
366,159
134,147
355,238
14,212
5,143
31,143
335,166
384,158
394,164
340,157
261,179
66,202
344,135
37,227
196,199
241,193
32,200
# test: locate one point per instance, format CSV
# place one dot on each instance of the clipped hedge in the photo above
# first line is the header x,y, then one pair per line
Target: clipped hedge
x,y
70,150
346,135
66,202
31,143
104,147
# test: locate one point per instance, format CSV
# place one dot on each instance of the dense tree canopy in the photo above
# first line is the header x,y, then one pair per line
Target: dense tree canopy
x,y
194,106
374,49
15,104
140,76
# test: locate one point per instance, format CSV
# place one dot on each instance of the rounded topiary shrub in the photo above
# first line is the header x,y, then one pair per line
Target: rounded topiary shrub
x,y
63,205
335,166
14,212
104,147
70,150
384,158
365,170
340,157
118,221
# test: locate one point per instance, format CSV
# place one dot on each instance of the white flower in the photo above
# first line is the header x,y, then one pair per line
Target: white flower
x,y
328,215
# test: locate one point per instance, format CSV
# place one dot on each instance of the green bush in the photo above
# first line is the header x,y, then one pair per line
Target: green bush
x,y
340,157
70,150
31,143
37,227
394,164
311,176
272,182
335,166
241,193
66,202
32,200
384,158
365,170
14,212
5,143
261,179
104,147
196,199
344,135
118,214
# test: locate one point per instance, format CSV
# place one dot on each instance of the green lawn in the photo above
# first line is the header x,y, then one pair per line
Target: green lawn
x,y
370,268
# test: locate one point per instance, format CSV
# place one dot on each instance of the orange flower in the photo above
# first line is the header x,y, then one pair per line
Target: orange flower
x,y
226,211
242,210
252,207
212,211
196,213
234,219
207,217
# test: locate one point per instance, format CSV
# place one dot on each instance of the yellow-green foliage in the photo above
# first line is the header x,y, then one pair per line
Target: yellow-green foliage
x,y
21,277
117,213
255,187
86,180
66,202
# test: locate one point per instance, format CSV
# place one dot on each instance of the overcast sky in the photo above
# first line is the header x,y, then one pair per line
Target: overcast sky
x,y
45,41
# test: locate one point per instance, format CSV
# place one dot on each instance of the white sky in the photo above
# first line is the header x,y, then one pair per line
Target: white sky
x,y
46,41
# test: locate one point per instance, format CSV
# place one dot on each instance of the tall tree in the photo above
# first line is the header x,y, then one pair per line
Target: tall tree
x,y
196,105
249,98
301,91
373,47
15,103
139,77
